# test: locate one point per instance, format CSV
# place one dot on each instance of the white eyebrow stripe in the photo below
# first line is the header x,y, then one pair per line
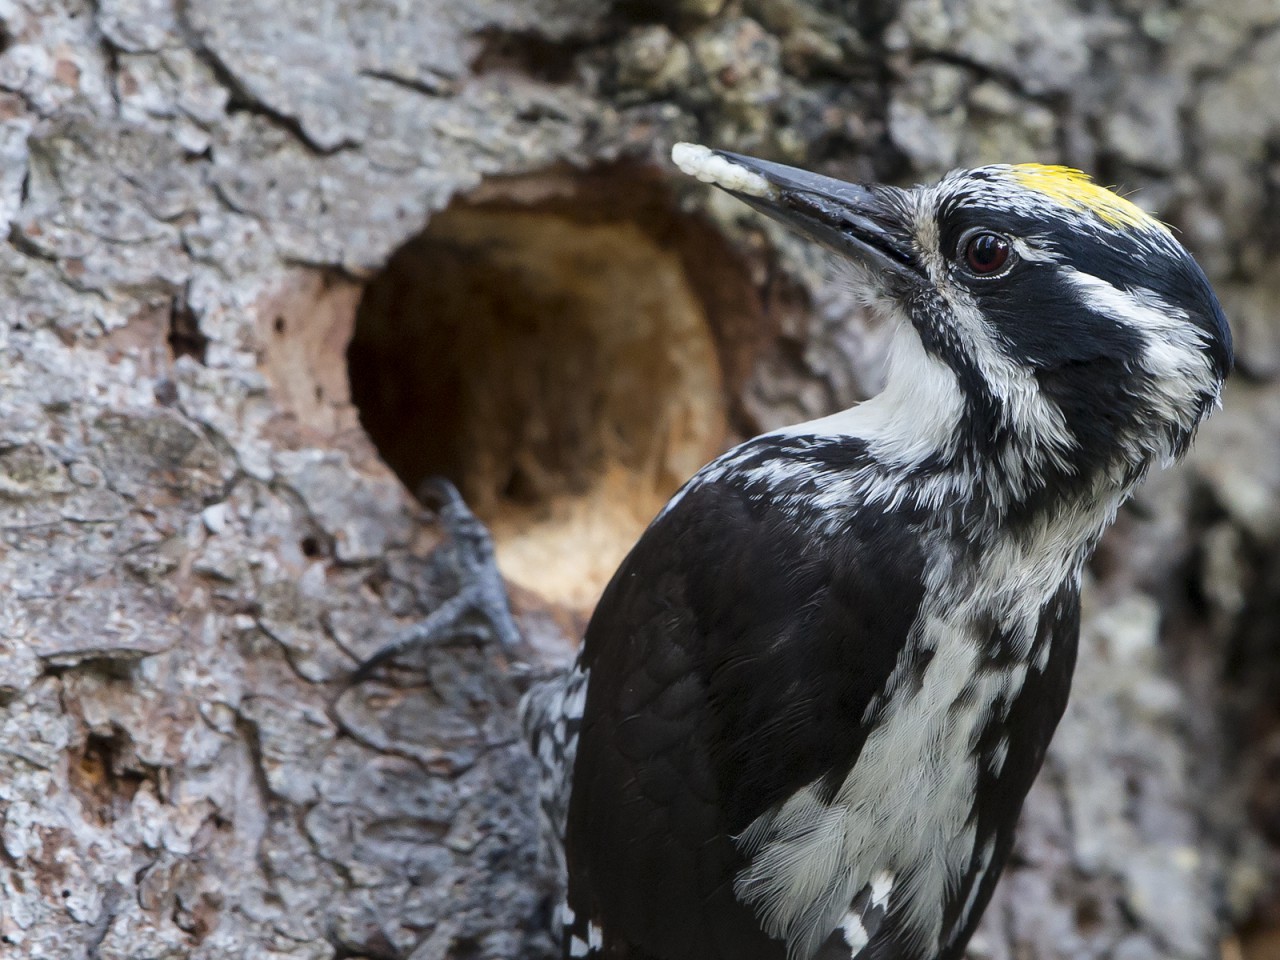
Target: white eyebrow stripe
x,y
1166,329
1173,348
1029,251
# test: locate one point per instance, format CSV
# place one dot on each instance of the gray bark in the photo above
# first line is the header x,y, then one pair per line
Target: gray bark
x,y
200,538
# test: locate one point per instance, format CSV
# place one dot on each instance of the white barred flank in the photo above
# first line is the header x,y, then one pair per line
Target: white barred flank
x,y
550,714
856,937
578,947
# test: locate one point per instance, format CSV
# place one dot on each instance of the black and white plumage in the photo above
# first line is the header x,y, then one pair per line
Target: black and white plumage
x,y
811,701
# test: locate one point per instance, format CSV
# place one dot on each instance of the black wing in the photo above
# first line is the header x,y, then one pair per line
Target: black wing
x,y
732,660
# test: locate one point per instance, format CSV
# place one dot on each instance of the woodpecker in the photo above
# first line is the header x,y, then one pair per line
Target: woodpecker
x,y
812,699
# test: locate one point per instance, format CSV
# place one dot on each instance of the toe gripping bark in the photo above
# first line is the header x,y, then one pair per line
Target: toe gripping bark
x,y
482,595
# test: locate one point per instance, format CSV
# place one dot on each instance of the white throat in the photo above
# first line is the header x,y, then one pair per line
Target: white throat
x,y
913,419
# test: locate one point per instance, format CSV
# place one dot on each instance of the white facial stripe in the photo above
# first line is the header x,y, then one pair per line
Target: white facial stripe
x,y
1038,253
916,417
1173,351
1174,344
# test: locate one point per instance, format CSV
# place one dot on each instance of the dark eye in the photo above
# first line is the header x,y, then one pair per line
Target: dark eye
x,y
985,253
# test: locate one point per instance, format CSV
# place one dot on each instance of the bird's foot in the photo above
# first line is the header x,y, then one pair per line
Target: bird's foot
x,y
481,598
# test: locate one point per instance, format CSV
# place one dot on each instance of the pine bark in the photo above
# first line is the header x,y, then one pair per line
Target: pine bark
x,y
200,537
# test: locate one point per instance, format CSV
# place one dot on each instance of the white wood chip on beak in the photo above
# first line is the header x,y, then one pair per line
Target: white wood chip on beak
x,y
699,161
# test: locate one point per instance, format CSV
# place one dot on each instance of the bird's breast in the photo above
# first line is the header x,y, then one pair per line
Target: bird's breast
x,y
904,810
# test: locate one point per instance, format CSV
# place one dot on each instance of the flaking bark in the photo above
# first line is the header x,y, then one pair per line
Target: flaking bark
x,y
198,541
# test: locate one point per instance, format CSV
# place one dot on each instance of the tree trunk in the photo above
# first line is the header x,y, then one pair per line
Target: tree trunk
x,y
271,262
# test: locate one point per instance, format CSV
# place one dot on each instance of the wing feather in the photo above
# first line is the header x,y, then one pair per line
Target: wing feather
x,y
732,660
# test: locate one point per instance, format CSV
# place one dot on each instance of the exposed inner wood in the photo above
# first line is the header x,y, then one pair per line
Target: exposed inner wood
x,y
303,330
563,372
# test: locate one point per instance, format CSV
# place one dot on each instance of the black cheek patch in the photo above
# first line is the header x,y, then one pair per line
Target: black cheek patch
x,y
1044,324
1100,400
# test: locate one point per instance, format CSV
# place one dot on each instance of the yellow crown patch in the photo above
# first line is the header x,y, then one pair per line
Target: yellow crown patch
x,y
1076,191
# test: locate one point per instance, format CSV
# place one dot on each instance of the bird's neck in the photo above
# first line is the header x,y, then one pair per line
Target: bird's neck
x,y
987,464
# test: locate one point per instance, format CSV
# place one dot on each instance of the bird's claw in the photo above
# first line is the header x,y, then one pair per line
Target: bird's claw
x,y
483,594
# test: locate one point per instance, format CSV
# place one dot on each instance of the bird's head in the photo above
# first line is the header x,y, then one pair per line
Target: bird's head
x,y
1067,324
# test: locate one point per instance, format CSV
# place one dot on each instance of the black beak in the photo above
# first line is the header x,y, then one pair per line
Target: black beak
x,y
864,222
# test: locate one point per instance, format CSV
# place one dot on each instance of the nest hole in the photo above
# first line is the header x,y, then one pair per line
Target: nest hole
x,y
555,358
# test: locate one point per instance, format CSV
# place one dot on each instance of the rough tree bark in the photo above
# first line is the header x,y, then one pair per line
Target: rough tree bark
x,y
199,538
